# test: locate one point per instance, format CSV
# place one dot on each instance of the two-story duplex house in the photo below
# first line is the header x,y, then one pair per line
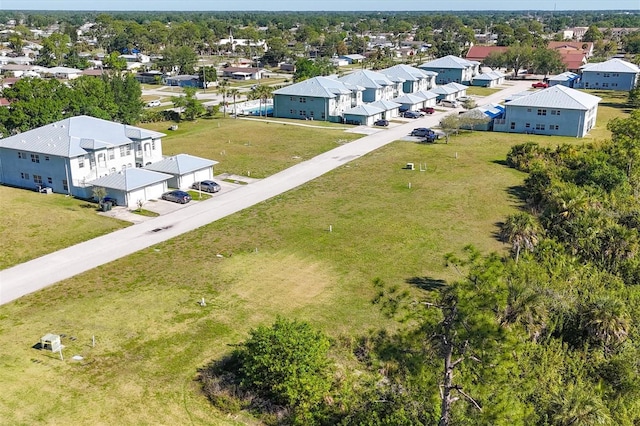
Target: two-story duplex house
x,y
377,86
452,69
318,98
414,79
68,155
556,110
614,74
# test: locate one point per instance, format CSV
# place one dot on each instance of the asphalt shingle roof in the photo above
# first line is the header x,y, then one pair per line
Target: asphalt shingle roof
x,y
180,164
557,97
76,136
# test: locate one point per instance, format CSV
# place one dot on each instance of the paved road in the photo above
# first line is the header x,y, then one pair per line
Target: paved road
x,y
49,269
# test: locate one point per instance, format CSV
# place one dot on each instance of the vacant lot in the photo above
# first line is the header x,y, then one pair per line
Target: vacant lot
x,y
257,147
275,258
35,224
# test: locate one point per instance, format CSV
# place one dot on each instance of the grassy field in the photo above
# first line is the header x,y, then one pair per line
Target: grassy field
x,y
251,146
275,258
481,91
35,224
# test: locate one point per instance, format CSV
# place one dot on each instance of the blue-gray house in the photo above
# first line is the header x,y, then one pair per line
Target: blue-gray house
x,y
452,69
556,110
318,98
568,79
614,74
377,86
414,79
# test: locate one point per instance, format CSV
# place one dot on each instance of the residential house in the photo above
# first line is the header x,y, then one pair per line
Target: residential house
x,y
413,79
568,79
391,109
184,81
410,102
488,79
64,73
129,187
479,53
68,155
452,69
556,110
150,77
614,74
243,73
184,169
377,86
318,98
482,118
353,59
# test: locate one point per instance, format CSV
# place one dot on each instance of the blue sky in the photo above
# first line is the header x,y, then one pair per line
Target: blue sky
x,y
329,5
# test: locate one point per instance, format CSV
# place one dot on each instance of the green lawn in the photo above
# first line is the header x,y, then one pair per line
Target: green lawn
x,y
481,91
259,148
277,258
35,224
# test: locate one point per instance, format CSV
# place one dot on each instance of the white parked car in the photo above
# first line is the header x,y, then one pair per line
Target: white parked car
x,y
152,104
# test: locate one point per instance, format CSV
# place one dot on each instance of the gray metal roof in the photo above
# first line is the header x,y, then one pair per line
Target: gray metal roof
x,y
489,76
367,79
130,179
449,62
557,97
426,94
565,76
612,65
405,72
456,86
318,87
180,164
408,99
443,90
385,105
367,110
76,136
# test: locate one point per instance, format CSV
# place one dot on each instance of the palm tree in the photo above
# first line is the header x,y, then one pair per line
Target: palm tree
x,y
264,93
234,93
223,89
521,231
605,321
575,406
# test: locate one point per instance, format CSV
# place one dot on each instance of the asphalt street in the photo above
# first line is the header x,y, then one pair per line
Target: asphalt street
x,y
36,274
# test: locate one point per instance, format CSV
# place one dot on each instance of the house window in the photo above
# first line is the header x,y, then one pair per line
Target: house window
x,y
111,153
554,127
128,146
65,184
605,84
291,98
37,179
606,74
81,162
513,125
542,112
310,113
303,100
123,151
528,109
539,126
49,181
323,116
35,158
292,111
153,144
527,125
46,158
22,155
303,113
24,175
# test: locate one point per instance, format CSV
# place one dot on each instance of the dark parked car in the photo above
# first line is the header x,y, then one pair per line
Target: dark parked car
x,y
177,196
422,132
428,110
206,186
382,122
411,114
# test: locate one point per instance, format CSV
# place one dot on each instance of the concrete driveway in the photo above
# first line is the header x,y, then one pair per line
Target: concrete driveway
x,y
39,273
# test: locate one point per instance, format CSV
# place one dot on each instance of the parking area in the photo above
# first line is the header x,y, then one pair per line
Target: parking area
x,y
228,183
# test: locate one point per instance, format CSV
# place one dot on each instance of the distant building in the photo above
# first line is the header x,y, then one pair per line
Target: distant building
x,y
614,74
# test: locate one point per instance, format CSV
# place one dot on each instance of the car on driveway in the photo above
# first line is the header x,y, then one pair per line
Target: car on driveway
x,y
382,122
177,196
152,104
428,110
206,186
411,114
422,132
540,85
